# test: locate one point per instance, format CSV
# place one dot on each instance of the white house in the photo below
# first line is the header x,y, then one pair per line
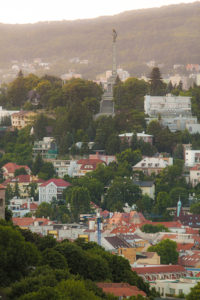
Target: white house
x,y
150,165
195,175
53,188
192,157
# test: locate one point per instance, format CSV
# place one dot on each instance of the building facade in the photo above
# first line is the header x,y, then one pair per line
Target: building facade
x,y
52,189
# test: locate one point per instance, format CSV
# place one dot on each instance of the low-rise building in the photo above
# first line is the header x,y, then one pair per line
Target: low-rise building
x,y
23,118
87,165
47,148
150,165
147,138
147,187
192,157
61,167
10,168
195,175
53,188
20,207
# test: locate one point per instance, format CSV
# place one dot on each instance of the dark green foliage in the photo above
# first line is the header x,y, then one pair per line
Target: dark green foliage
x,y
16,255
194,293
54,259
148,228
46,171
167,251
21,171
157,86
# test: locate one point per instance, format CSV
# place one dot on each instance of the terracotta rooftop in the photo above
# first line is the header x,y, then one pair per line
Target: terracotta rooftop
x,y
22,222
190,260
120,289
12,167
159,269
184,246
33,206
57,182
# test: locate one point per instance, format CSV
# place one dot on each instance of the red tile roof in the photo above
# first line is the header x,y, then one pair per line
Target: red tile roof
x,y
184,246
23,178
30,221
2,187
33,206
57,182
12,167
159,269
120,289
173,224
195,168
93,163
190,260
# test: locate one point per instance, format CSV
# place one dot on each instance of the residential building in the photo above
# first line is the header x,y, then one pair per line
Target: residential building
x,y
106,158
23,118
147,138
26,223
195,175
47,148
61,166
2,202
152,273
174,288
23,182
173,112
53,188
147,187
87,165
10,168
20,207
192,157
150,165
120,290
193,128
147,258
6,113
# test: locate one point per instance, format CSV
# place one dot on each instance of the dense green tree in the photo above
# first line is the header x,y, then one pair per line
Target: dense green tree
x,y
54,259
132,157
47,171
149,228
145,204
17,256
157,87
194,292
167,250
17,91
79,200
195,208
21,171
37,164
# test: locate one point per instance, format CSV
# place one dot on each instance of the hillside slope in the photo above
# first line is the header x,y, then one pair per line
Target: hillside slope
x,y
169,34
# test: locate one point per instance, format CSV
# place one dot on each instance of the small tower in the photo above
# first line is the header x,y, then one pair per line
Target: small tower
x,y
179,204
2,202
99,228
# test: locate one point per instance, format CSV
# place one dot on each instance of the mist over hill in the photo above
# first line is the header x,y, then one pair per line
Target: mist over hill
x,y
169,35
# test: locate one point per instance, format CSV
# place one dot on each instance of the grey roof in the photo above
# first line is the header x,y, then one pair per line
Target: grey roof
x,y
117,242
144,183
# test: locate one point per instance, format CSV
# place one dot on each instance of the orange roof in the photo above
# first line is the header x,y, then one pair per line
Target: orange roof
x,y
120,289
29,221
184,247
33,206
57,182
93,163
195,168
159,269
12,167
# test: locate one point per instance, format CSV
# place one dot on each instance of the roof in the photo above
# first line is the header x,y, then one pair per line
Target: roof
x,y
190,260
144,183
33,206
120,289
117,242
184,246
2,187
89,164
195,168
12,167
152,162
57,182
159,269
29,221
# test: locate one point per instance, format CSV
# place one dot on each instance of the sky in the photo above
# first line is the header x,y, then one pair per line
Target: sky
x,y
32,11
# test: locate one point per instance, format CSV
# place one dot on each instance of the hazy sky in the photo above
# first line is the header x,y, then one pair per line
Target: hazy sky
x,y
31,11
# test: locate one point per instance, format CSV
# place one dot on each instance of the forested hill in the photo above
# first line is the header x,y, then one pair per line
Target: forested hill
x,y
169,34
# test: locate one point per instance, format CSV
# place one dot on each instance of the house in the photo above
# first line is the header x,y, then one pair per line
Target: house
x,y
147,138
148,258
195,175
2,202
106,158
152,273
23,118
10,168
147,187
87,165
47,148
61,166
25,223
53,188
20,207
150,165
172,111
192,157
23,182
120,290
174,288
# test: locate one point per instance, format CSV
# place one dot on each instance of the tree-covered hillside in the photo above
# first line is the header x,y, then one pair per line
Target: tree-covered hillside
x,y
169,34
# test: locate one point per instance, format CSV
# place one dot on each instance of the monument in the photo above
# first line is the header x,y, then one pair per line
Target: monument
x,y
107,105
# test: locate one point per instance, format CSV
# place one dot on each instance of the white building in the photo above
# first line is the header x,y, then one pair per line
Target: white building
x,y
173,112
192,157
150,165
193,128
53,188
147,138
6,113
195,175
61,166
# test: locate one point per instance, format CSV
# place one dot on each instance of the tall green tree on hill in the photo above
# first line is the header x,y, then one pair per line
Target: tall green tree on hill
x,y
157,86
